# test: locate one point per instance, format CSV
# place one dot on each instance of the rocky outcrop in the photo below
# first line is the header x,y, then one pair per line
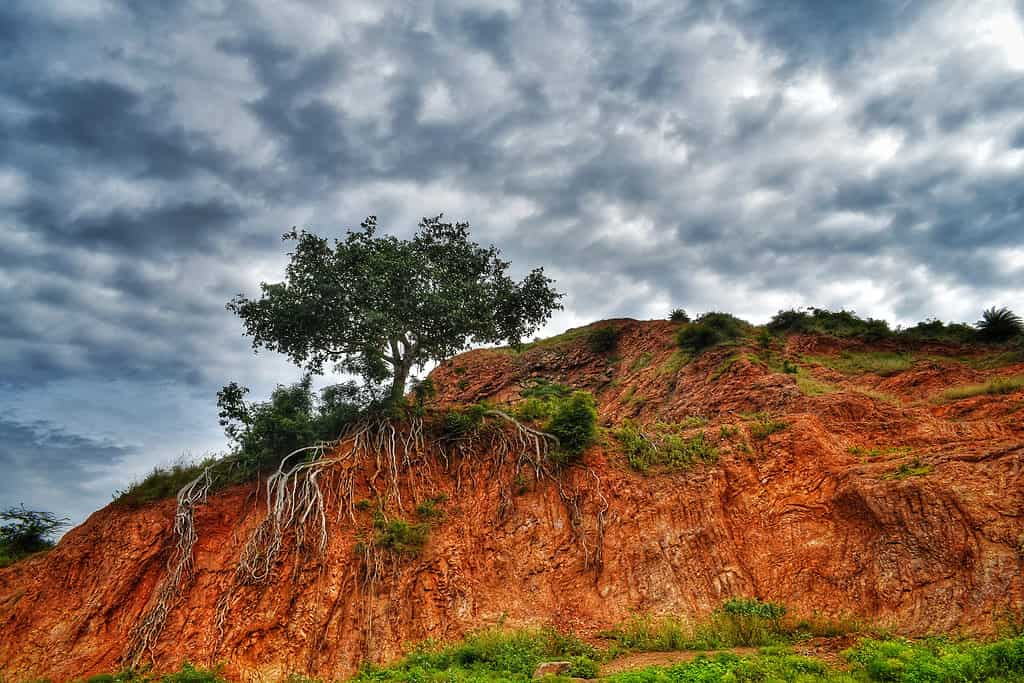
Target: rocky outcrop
x,y
817,515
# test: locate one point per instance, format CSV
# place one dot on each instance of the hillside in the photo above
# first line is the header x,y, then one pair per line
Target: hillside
x,y
846,481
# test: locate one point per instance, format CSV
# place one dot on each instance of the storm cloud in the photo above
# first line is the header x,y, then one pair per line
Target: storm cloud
x,y
743,156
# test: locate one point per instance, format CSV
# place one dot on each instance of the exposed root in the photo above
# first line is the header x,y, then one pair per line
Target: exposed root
x,y
179,566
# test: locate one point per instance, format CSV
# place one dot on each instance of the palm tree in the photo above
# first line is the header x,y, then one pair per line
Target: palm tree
x,y
999,324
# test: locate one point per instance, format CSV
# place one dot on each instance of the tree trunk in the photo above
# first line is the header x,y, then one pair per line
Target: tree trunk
x,y
398,383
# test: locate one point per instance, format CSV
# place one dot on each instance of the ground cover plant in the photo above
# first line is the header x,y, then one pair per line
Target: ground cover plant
x,y
664,444
711,329
996,386
491,655
864,362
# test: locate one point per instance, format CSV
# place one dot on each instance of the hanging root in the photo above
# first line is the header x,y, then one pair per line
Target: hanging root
x,y
179,565
294,501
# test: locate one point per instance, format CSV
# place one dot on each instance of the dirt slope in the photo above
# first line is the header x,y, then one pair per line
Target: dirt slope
x,y
815,515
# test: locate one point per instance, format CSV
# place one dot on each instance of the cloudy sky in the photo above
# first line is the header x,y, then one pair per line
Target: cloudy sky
x,y
744,156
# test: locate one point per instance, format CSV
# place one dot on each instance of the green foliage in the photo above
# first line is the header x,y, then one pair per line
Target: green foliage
x,y
751,621
26,532
725,366
679,315
188,673
810,385
490,655
604,339
769,666
265,432
641,362
399,536
545,389
646,633
882,363
663,446
879,451
789,367
428,509
823,321
728,432
763,425
574,424
999,324
995,386
938,659
912,468
675,362
710,330
460,423
934,330
377,306
162,482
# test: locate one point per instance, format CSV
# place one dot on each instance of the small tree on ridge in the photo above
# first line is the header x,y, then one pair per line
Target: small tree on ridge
x,y
377,306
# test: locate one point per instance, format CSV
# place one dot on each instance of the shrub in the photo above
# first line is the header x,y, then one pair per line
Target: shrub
x,y
663,446
678,315
428,509
933,329
603,339
710,330
458,424
764,425
541,400
25,532
999,324
399,536
575,425
840,323
263,433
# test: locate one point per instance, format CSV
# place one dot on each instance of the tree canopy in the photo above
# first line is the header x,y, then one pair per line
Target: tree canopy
x,y
377,306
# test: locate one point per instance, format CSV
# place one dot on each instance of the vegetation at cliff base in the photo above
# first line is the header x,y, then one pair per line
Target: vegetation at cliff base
x,y
491,655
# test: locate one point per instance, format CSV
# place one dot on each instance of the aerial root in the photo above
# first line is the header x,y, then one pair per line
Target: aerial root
x,y
179,566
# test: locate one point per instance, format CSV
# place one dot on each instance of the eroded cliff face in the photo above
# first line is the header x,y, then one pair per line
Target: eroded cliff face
x,y
810,516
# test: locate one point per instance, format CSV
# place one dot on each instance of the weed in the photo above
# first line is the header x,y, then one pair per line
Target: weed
x,y
603,339
913,468
675,362
996,386
663,446
399,536
879,451
725,366
575,425
763,425
727,432
863,362
428,509
710,330
641,362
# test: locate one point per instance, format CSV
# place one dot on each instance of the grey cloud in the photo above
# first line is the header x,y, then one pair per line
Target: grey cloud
x,y
716,156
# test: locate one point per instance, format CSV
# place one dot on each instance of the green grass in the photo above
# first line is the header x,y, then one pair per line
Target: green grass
x,y
912,468
996,386
725,366
882,363
811,386
662,445
641,362
490,656
890,659
762,425
675,362
879,451
163,482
